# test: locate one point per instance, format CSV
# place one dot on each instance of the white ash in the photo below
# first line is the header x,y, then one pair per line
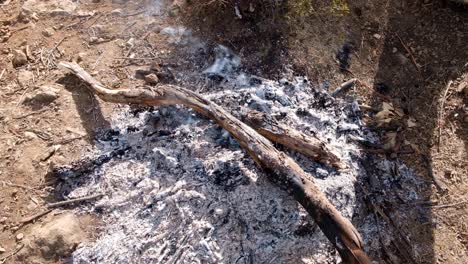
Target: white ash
x,y
186,193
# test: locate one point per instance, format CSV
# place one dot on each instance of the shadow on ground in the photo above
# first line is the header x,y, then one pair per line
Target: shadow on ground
x,y
423,50
87,106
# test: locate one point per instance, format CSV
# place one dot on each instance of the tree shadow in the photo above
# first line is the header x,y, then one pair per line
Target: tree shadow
x,y
87,106
422,51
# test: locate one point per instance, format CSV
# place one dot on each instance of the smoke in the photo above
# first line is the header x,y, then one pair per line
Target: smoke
x,y
226,62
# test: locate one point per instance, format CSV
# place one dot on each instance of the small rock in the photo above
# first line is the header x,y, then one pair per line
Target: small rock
x,y
48,32
30,135
44,95
321,173
130,42
19,58
25,77
377,36
151,79
3,220
20,236
51,7
56,238
80,57
2,250
116,12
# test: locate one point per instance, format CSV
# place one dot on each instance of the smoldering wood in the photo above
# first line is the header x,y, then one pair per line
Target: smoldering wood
x,y
280,168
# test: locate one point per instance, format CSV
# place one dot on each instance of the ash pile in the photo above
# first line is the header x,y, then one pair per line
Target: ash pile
x,y
178,189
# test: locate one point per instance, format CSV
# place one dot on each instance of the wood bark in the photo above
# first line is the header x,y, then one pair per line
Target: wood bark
x,y
308,145
281,169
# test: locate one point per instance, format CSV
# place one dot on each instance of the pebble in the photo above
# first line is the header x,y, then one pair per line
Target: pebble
x,y
19,58
2,250
151,79
20,236
25,77
44,95
377,36
48,32
30,135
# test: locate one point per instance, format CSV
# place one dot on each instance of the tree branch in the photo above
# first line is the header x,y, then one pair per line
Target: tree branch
x,y
281,169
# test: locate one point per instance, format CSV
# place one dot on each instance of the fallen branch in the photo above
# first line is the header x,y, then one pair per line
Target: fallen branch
x,y
281,169
29,219
72,201
291,138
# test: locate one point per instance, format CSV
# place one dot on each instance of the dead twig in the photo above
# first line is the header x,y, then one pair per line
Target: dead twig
x,y
1,74
97,61
18,186
134,14
51,51
137,58
72,201
34,217
66,141
440,206
3,260
22,96
441,187
344,87
32,113
441,114
19,29
409,53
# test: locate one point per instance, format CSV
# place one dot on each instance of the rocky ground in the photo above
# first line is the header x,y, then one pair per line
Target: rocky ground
x,y
174,187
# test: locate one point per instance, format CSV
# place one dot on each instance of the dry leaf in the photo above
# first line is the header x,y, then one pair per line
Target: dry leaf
x,y
411,122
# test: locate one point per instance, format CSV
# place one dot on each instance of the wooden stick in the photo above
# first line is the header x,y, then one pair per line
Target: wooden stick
x,y
439,206
77,200
441,114
280,168
1,74
344,87
3,260
34,217
291,138
413,60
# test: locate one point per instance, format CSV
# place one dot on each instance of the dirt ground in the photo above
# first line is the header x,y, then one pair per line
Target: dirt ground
x,y
411,54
